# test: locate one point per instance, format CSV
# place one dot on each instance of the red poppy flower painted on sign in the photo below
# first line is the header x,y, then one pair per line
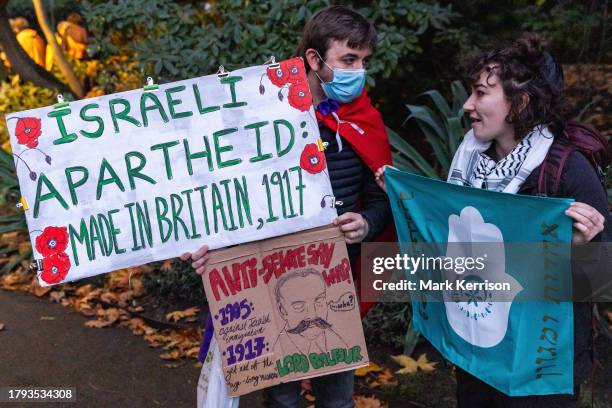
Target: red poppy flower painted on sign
x,y
28,131
55,268
299,96
53,240
289,71
295,70
312,159
278,76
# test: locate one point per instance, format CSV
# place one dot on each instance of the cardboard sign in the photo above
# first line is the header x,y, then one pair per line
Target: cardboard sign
x,y
285,309
139,176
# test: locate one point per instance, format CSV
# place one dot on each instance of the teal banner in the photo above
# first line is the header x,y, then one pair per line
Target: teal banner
x,y
519,347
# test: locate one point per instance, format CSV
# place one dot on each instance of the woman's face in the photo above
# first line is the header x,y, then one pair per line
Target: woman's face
x,y
488,108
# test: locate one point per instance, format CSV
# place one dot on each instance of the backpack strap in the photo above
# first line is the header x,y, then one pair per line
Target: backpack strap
x,y
552,167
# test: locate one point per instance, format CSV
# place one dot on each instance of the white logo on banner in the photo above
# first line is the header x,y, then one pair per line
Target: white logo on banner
x,y
473,314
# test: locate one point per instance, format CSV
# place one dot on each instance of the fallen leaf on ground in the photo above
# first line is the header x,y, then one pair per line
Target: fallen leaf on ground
x,y
173,355
172,365
109,297
106,317
157,339
385,378
118,279
125,297
411,365
57,295
424,364
370,368
139,328
14,278
361,401
181,314
97,324
68,302
47,318
84,290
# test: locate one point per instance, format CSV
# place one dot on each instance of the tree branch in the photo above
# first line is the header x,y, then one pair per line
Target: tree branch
x,y
73,82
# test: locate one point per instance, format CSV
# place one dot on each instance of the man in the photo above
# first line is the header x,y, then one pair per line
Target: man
x,y
301,298
334,45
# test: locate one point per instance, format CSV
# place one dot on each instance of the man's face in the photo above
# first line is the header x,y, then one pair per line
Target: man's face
x,y
303,305
340,55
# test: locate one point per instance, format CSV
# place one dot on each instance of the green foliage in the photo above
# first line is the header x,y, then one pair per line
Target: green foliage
x,y
387,323
14,96
9,187
578,31
177,41
18,95
443,129
11,220
402,27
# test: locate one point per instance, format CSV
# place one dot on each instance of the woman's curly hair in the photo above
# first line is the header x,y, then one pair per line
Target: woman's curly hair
x,y
525,68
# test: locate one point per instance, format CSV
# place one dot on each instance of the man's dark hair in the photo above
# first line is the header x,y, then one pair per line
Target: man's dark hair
x,y
338,23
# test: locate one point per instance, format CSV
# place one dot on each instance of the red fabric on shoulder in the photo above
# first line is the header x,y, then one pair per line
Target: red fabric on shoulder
x,y
372,147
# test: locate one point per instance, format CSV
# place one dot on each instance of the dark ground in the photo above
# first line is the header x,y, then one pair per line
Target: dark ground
x,y
46,344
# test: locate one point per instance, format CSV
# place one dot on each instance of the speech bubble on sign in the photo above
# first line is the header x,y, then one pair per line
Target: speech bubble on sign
x,y
345,303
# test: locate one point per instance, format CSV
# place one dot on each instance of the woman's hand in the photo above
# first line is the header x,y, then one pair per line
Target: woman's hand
x,y
199,259
354,227
588,222
379,177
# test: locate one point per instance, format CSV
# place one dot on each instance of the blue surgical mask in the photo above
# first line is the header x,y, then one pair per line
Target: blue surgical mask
x,y
346,85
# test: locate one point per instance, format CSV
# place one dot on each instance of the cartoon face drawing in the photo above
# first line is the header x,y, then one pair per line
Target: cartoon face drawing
x,y
305,310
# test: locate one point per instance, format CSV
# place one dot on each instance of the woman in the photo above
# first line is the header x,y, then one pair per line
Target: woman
x,y
516,111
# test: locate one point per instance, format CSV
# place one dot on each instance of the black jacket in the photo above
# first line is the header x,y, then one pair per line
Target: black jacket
x,y
580,182
353,183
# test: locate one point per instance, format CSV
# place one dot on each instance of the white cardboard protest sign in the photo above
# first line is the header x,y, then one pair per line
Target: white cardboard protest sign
x,y
139,176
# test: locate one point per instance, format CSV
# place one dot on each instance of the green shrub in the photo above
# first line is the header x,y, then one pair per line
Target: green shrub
x,y
176,41
442,127
387,323
18,95
179,283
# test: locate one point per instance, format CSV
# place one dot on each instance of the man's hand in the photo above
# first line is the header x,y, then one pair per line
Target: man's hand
x,y
199,259
588,222
354,227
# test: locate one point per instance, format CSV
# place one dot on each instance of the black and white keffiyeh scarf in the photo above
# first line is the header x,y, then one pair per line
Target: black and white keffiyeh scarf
x,y
472,167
